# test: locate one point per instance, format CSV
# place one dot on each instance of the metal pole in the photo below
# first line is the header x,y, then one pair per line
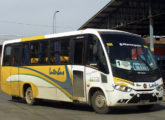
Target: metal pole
x,y
151,27
54,21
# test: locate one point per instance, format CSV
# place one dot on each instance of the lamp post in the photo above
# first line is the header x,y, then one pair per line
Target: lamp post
x,y
54,21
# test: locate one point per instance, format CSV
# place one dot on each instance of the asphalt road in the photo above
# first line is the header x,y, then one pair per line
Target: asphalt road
x,y
49,110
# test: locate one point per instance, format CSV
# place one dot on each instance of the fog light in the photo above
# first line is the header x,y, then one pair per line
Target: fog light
x,y
153,94
138,95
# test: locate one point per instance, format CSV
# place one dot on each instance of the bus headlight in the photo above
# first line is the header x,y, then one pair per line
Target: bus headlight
x,y
122,88
159,88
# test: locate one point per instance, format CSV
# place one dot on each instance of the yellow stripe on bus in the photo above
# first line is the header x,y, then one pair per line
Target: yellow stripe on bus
x,y
120,80
92,67
33,38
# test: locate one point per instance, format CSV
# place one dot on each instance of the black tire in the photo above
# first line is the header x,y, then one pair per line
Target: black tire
x,y
99,103
29,96
14,98
145,107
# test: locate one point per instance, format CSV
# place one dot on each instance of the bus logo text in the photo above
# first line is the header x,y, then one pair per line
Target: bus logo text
x,y
55,72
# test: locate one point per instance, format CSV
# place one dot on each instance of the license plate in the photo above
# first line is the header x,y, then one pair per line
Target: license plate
x,y
144,101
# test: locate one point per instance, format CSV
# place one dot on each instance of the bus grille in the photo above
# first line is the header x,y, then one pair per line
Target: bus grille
x,y
140,97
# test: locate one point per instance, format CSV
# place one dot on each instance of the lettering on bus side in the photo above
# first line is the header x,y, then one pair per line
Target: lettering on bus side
x,y
153,85
55,72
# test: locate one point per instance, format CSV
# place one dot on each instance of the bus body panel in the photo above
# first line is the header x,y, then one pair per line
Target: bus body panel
x,y
42,78
94,80
47,82
5,86
56,82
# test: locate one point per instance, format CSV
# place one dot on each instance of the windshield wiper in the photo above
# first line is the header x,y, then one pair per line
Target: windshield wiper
x,y
145,62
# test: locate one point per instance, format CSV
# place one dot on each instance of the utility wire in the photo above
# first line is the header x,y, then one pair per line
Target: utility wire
x,y
28,24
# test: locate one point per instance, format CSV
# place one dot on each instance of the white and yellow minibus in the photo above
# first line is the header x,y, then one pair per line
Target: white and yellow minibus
x,y
102,68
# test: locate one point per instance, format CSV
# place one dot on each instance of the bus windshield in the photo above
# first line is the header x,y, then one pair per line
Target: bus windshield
x,y
129,57
129,53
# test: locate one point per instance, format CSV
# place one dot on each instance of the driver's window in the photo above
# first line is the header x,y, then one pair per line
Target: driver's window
x,y
95,54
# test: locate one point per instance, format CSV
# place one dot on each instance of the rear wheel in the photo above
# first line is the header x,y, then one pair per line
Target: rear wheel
x,y
99,103
29,96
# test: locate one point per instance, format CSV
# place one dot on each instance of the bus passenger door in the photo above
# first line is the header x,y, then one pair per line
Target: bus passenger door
x,y
78,69
14,76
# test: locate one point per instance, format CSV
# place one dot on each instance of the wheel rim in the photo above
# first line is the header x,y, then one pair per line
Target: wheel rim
x,y
29,96
100,101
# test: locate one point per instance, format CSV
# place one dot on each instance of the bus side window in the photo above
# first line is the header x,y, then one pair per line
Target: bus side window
x,y
59,51
95,54
26,54
64,56
43,52
16,56
7,56
34,52
55,48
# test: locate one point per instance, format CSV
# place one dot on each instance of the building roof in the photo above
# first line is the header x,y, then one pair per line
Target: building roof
x,y
130,15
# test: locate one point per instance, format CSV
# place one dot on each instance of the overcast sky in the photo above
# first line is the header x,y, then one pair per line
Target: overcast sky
x,y
35,17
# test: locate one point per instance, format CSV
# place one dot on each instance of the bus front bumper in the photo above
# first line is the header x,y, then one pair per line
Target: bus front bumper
x,y
118,98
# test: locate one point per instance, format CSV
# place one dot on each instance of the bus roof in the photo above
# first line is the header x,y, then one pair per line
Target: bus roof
x,y
88,30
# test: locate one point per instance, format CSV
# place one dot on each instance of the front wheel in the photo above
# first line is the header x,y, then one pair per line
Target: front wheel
x,y
99,103
29,96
